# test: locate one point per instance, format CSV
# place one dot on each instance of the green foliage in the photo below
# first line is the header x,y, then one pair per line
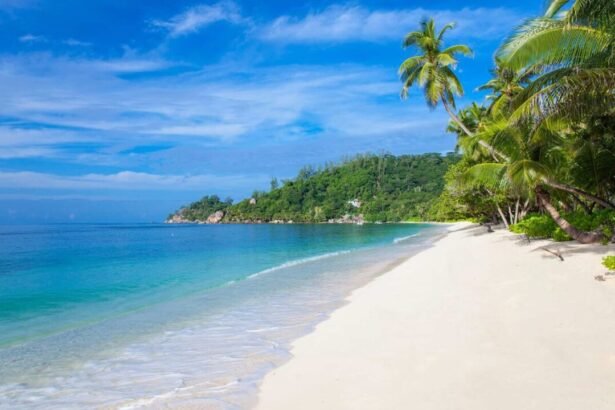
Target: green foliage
x,y
433,67
546,142
609,262
389,188
461,202
201,209
535,226
542,226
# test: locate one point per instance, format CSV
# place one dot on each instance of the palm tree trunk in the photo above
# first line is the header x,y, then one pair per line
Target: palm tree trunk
x,y
524,209
574,233
469,133
455,118
579,192
502,215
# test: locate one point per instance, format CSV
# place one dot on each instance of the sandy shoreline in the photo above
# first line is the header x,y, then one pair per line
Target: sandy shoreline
x,y
479,321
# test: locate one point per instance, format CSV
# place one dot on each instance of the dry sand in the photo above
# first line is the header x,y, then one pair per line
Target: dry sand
x,y
479,321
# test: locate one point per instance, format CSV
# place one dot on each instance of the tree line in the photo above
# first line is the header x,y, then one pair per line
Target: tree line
x,y
383,188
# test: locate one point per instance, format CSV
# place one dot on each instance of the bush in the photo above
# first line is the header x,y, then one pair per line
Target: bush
x,y
560,236
542,226
609,262
535,226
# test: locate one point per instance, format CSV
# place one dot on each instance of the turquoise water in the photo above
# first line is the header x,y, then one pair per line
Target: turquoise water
x,y
148,315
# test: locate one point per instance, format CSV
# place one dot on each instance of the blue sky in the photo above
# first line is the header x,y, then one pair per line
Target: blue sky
x,y
122,110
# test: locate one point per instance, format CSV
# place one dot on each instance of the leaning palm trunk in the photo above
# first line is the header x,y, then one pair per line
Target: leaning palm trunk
x,y
455,118
579,192
504,220
494,152
576,234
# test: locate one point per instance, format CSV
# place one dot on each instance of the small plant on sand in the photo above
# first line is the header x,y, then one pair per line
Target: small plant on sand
x,y
609,262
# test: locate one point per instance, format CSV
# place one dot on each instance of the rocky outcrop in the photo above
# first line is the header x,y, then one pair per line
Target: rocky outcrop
x,y
176,219
215,218
348,219
179,218
355,203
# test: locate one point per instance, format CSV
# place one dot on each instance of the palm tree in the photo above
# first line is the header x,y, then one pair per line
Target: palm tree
x,y
505,85
471,116
573,53
535,163
433,68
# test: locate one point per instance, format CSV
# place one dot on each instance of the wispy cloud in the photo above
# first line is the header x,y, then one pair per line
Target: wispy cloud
x,y
355,23
88,100
200,16
71,42
76,43
129,65
31,38
124,180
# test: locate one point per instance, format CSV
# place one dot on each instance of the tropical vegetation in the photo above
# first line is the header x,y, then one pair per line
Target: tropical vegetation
x,y
369,187
539,156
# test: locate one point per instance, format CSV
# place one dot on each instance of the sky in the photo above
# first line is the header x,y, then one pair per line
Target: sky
x,y
122,111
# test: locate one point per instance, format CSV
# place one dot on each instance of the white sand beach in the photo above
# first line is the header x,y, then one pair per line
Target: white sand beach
x,y
479,321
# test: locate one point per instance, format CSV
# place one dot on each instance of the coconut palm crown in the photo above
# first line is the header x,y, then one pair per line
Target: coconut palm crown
x,y
433,67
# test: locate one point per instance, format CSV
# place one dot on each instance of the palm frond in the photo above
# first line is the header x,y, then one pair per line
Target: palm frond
x,y
412,39
448,26
574,93
445,60
555,7
489,174
458,49
549,42
454,85
409,64
527,172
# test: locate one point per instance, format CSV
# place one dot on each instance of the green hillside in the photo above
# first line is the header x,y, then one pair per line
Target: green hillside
x,y
375,187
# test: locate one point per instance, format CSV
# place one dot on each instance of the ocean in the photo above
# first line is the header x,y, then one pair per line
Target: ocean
x,y
153,315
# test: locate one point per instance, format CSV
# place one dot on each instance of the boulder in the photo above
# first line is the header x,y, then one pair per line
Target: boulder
x,y
176,219
215,218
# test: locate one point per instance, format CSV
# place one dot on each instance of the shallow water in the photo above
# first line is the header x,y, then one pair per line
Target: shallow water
x,y
125,316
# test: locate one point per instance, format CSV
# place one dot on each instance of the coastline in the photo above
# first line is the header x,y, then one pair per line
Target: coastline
x,y
476,321
207,348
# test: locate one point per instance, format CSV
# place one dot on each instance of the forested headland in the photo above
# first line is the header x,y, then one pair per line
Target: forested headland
x,y
371,188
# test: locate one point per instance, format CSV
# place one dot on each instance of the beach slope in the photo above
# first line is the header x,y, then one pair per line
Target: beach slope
x,y
479,321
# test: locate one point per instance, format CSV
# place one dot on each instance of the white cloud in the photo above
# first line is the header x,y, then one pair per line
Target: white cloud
x,y
200,16
124,180
31,38
76,43
354,23
129,65
213,129
80,101
27,152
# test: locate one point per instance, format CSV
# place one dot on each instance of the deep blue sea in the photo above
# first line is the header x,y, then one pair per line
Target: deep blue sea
x,y
132,316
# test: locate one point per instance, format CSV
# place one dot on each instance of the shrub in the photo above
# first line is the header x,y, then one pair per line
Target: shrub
x,y
535,226
609,262
542,226
560,236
